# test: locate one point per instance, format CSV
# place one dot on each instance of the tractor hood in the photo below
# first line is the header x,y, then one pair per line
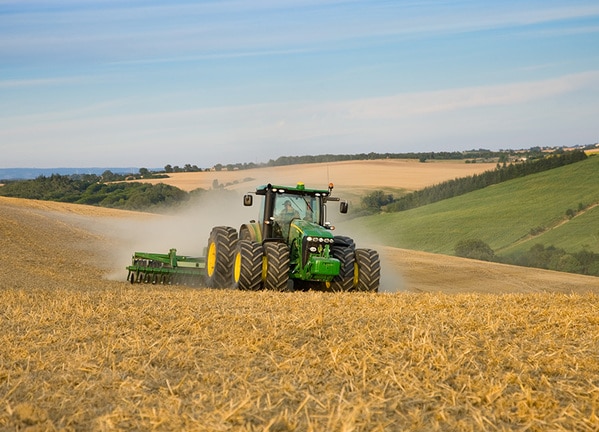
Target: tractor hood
x,y
304,228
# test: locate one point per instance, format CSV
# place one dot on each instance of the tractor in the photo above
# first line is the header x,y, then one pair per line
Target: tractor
x,y
290,247
290,242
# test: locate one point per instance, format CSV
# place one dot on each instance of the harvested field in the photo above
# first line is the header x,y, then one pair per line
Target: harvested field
x,y
181,359
452,345
347,176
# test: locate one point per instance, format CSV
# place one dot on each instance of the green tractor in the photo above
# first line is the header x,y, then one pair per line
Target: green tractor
x,y
290,246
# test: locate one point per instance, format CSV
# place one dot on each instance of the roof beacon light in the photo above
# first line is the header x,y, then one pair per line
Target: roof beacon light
x,y
330,187
300,186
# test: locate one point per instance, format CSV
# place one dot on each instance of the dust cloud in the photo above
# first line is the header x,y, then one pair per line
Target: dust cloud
x,y
392,280
185,228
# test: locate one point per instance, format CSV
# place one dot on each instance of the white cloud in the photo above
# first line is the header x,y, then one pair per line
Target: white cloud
x,y
235,133
464,98
112,31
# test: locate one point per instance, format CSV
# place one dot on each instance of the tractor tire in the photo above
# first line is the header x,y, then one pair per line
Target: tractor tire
x,y
220,255
367,272
344,241
345,281
247,268
275,267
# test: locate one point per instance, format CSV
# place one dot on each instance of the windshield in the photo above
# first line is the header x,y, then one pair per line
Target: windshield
x,y
289,206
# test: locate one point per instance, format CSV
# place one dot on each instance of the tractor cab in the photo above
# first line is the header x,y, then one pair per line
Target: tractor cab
x,y
283,206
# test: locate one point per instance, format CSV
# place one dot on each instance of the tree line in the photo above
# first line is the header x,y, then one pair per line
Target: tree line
x,y
421,156
538,256
103,191
377,201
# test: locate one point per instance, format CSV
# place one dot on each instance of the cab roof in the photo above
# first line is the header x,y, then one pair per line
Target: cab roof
x,y
299,189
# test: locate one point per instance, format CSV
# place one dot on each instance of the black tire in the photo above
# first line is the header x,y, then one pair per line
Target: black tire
x,y
219,257
345,280
275,273
368,268
344,241
247,266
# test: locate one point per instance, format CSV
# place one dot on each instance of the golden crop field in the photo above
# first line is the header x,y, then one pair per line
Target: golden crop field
x,y
156,358
449,343
348,176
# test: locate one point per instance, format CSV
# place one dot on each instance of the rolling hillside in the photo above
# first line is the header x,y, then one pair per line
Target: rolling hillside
x,y
503,215
82,349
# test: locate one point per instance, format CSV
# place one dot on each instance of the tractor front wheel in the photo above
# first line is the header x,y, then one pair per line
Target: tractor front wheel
x,y
344,281
367,270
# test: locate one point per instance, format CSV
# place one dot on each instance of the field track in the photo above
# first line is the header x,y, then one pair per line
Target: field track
x,y
84,350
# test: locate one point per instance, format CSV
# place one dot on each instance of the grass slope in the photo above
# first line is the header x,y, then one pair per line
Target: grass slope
x,y
502,215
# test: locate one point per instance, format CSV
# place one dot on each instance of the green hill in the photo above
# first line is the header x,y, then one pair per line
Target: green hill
x,y
503,215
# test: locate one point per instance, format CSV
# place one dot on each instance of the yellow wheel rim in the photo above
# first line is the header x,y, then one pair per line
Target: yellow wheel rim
x,y
264,268
211,259
237,267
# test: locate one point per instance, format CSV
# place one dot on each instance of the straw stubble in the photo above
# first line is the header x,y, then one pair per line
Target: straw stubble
x,y
172,358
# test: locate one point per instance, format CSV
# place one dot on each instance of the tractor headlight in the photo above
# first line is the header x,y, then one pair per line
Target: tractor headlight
x,y
319,240
313,249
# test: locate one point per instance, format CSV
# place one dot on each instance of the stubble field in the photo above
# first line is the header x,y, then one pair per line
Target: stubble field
x,y
450,344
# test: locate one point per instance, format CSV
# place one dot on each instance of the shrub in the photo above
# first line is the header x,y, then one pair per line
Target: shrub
x,y
375,200
475,249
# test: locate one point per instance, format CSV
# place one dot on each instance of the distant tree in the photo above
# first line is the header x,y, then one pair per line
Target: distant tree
x,y
475,249
568,263
375,200
144,173
168,168
108,176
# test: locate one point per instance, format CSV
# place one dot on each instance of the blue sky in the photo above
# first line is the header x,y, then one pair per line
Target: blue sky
x,y
147,83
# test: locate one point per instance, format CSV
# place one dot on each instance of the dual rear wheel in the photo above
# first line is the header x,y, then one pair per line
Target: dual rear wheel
x,y
261,267
245,264
360,269
248,265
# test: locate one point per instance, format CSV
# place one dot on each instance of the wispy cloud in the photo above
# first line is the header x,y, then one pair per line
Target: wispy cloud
x,y
272,117
39,82
126,77
115,30
410,104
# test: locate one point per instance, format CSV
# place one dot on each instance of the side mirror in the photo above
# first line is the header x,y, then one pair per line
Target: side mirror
x,y
343,206
248,200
